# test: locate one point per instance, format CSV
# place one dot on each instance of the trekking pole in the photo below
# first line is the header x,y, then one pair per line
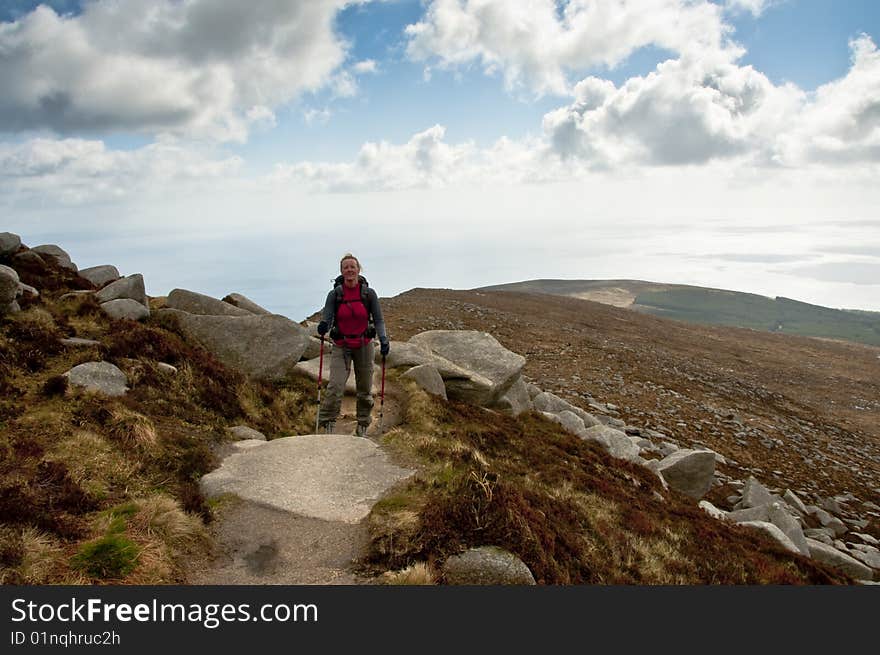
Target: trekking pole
x,y
382,396
320,372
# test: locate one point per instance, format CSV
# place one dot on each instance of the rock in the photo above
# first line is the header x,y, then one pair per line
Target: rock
x,y
712,511
614,441
689,471
869,557
9,243
131,287
493,368
755,494
100,275
516,400
243,302
246,444
667,448
867,538
833,557
569,420
487,565
166,368
794,502
242,432
102,377
9,285
29,260
789,525
28,290
313,348
831,522
125,308
197,303
831,505
77,342
405,354
332,477
533,390
56,253
428,378
759,513
548,402
774,532
261,347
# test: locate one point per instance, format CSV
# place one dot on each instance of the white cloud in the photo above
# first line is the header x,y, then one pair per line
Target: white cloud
x,y
691,111
841,124
687,111
533,43
79,171
317,116
194,67
426,160
366,66
754,7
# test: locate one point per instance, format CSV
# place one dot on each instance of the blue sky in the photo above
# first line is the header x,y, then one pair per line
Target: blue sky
x,y
221,147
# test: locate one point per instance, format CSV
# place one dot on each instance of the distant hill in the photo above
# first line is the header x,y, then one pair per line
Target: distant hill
x,y
715,307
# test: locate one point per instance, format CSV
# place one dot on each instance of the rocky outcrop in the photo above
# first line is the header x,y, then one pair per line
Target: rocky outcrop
x,y
689,471
839,560
774,533
243,432
100,275
9,243
59,255
131,287
544,401
125,308
9,289
492,368
487,565
614,441
261,347
428,378
243,302
100,377
197,303
516,400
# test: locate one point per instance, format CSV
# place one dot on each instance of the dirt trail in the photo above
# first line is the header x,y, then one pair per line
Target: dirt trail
x,y
260,545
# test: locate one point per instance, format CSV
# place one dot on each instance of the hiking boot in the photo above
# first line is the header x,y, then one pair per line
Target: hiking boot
x,y
361,431
330,427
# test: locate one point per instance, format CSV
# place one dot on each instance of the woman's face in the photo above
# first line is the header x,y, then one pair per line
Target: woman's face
x,y
350,270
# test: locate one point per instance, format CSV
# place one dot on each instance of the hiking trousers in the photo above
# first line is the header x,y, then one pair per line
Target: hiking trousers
x,y
342,360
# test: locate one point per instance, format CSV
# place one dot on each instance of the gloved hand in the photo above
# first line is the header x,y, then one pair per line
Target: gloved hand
x,y
384,347
322,328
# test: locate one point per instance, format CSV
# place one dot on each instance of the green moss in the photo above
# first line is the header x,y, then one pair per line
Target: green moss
x,y
111,556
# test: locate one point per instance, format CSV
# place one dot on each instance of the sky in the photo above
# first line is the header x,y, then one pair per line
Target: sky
x,y
221,146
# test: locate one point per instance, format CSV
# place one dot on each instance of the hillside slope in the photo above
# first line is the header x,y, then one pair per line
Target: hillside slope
x,y
715,307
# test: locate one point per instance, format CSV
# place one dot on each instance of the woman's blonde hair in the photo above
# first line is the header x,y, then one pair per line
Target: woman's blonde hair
x,y
348,255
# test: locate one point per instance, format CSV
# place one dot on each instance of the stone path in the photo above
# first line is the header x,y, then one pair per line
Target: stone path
x,y
297,506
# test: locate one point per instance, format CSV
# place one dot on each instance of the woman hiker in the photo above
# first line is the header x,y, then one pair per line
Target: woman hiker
x,y
353,318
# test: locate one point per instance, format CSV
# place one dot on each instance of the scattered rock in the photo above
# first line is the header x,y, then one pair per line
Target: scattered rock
x,y
428,378
100,275
102,377
56,253
773,531
493,368
243,432
689,471
77,342
243,302
197,303
125,308
261,347
131,287
9,243
833,557
487,565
